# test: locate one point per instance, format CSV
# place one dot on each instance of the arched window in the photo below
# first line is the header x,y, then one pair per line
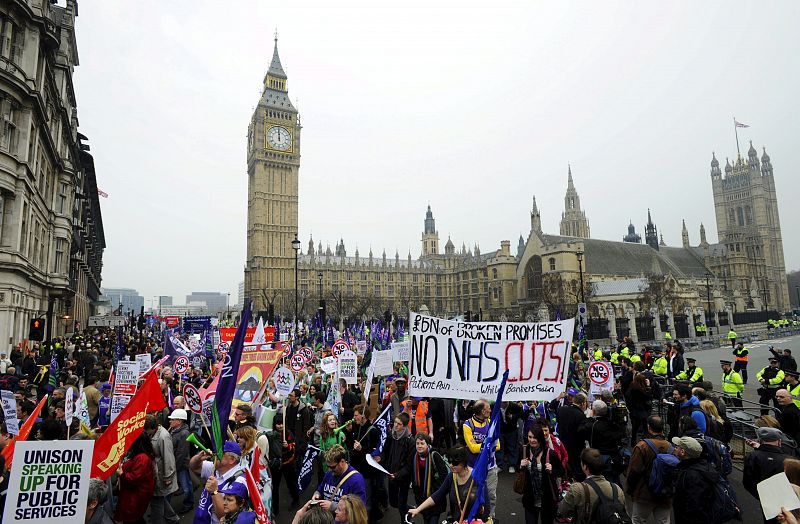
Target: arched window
x,y
494,273
552,262
740,216
533,274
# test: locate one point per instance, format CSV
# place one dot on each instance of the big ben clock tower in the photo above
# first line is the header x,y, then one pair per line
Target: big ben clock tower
x,y
273,164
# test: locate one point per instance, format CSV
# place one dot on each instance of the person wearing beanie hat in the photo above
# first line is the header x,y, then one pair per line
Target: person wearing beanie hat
x,y
765,460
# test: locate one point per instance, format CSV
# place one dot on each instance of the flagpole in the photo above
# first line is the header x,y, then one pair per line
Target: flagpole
x,y
736,132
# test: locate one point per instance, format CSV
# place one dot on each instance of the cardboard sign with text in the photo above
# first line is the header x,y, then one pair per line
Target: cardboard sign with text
x,y
466,360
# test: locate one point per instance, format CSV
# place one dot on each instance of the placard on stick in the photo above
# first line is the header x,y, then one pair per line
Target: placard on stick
x,y
49,482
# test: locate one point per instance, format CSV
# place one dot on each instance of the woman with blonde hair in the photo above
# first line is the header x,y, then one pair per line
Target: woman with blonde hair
x,y
716,424
351,510
248,439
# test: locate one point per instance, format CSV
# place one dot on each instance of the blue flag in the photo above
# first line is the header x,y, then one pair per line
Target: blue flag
x,y
53,374
307,469
229,372
481,469
383,423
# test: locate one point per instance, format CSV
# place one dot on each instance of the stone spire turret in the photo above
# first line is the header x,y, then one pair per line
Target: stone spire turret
x,y
573,219
685,235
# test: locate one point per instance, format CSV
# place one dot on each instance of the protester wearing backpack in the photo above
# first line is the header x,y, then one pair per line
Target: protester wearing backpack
x,y
694,484
595,500
640,471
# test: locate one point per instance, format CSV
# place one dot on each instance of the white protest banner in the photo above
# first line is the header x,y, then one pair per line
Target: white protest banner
x,y
82,410
328,364
10,411
361,347
368,381
384,362
348,366
601,377
284,381
69,406
49,482
208,404
466,360
400,351
126,380
145,362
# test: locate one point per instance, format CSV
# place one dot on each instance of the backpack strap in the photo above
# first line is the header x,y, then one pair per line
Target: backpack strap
x,y
653,447
600,495
587,507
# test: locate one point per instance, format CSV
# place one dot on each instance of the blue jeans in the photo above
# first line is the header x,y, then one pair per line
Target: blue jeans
x,y
507,455
185,483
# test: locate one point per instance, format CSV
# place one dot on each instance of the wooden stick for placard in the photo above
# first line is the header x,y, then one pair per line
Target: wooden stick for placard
x,y
203,420
231,435
285,403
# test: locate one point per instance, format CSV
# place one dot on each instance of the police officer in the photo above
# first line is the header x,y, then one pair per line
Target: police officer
x,y
771,379
659,364
741,355
732,384
614,358
792,379
692,373
732,337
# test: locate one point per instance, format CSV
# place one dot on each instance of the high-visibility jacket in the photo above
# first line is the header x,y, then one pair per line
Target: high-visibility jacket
x,y
636,358
614,359
741,354
694,374
794,391
625,352
732,383
598,354
667,335
774,380
418,418
660,367
731,334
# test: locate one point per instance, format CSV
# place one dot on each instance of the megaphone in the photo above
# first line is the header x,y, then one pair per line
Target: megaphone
x,y
192,438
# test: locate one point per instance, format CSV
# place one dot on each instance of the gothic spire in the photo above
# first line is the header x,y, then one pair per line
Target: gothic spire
x,y
275,67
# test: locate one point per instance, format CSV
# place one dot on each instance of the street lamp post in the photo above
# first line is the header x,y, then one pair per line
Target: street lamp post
x,y
228,307
321,300
579,254
708,302
296,247
797,289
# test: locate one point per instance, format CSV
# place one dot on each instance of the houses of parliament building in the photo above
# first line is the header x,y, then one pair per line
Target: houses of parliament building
x,y
543,272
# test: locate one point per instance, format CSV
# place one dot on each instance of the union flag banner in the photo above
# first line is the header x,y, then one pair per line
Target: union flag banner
x,y
117,439
256,365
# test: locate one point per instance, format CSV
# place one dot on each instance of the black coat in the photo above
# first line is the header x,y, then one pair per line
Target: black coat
x,y
790,420
602,434
694,487
397,457
761,464
570,419
549,484
369,436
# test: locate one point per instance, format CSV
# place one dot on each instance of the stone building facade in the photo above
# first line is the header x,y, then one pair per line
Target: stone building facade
x,y
51,236
621,281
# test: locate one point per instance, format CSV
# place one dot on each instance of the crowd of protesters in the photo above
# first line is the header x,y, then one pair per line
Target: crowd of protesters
x,y
572,458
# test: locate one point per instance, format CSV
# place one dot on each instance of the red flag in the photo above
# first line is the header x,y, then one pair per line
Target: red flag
x,y
24,431
255,497
255,466
129,424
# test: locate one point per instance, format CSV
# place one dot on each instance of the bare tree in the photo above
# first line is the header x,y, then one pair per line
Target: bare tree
x,y
658,291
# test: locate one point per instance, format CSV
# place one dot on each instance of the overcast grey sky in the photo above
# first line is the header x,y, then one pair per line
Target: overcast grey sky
x,y
471,107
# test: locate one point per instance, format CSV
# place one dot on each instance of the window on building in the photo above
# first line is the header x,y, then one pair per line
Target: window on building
x,y
377,290
740,216
494,273
552,262
363,276
62,198
10,116
533,275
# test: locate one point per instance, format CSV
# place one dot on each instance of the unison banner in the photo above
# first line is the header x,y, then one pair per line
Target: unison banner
x,y
466,360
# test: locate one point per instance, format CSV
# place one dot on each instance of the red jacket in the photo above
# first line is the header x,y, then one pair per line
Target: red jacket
x,y
136,484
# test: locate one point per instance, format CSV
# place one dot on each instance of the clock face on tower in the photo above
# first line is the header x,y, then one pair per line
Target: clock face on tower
x,y
279,138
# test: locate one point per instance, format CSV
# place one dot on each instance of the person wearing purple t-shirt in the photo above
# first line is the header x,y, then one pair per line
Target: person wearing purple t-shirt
x,y
341,479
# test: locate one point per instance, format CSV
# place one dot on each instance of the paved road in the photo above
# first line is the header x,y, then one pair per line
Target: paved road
x,y
510,507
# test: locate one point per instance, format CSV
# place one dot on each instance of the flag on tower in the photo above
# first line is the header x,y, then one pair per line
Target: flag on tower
x,y
739,124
